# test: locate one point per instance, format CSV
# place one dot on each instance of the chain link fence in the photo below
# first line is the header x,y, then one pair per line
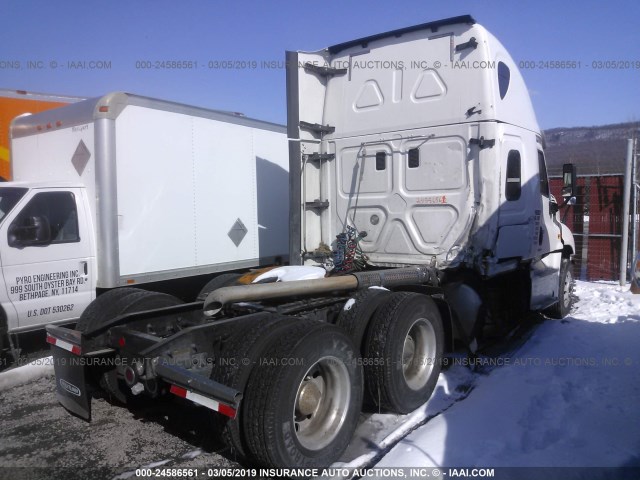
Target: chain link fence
x,y
596,222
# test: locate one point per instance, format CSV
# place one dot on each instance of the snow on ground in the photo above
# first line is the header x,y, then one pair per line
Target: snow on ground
x,y
378,432
41,367
568,397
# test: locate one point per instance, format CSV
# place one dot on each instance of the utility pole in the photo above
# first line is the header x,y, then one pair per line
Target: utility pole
x,y
634,203
625,214
635,251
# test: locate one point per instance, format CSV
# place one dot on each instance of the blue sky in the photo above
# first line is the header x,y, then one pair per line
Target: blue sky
x,y
126,32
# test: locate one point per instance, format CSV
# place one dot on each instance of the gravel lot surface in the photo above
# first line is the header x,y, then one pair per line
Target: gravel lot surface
x,y
40,440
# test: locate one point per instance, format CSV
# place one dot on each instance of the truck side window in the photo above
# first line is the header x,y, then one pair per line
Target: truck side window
x,y
49,217
504,76
514,178
544,178
414,158
381,160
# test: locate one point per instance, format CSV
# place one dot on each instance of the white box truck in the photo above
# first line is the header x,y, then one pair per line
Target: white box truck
x,y
419,186
127,190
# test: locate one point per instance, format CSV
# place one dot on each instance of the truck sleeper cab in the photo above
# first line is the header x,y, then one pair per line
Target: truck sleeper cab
x,y
424,190
433,154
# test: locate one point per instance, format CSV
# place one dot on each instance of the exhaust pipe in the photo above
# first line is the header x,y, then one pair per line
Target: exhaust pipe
x,y
217,299
265,291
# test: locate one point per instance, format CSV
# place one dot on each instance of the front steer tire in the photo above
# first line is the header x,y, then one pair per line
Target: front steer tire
x,y
303,399
566,296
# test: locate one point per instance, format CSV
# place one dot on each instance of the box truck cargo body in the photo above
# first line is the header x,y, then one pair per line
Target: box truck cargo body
x,y
14,103
126,190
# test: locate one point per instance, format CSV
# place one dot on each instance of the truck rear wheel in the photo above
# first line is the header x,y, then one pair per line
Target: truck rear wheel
x,y
566,296
403,352
103,307
358,311
113,304
237,359
303,400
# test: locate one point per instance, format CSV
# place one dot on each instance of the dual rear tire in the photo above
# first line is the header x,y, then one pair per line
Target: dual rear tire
x,y
400,337
304,380
303,392
403,352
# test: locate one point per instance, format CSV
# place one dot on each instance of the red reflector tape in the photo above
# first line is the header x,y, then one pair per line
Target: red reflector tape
x,y
65,345
181,392
204,401
227,411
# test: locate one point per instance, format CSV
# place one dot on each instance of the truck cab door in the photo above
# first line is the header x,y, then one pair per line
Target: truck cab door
x,y
47,261
550,233
547,252
528,227
520,209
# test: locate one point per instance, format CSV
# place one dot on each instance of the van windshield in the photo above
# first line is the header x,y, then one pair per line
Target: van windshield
x,y
9,196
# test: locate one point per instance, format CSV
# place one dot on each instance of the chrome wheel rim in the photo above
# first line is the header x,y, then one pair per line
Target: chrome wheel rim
x,y
322,403
419,354
566,293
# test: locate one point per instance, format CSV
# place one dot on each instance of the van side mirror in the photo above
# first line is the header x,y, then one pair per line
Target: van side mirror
x,y
569,177
31,232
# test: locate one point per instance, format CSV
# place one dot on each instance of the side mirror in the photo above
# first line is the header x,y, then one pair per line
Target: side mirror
x,y
569,177
33,231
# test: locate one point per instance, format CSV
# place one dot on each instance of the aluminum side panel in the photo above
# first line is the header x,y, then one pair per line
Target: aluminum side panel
x,y
425,78
183,184
271,156
414,81
412,214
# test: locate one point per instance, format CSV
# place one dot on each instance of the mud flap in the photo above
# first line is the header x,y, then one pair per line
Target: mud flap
x,y
69,367
465,303
71,387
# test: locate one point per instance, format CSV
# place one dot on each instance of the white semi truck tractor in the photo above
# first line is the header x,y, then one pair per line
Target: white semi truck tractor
x,y
420,216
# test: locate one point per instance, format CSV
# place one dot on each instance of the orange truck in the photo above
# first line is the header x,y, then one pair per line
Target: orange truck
x,y
18,102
